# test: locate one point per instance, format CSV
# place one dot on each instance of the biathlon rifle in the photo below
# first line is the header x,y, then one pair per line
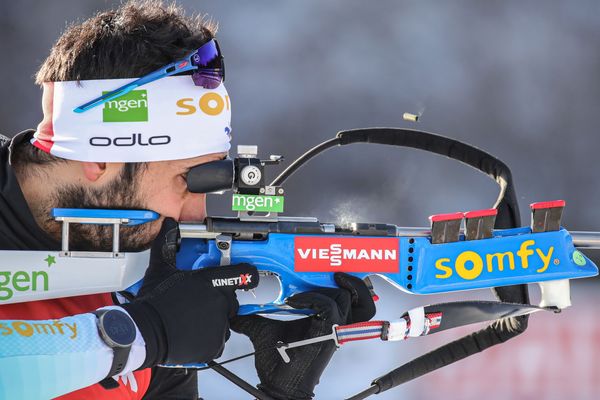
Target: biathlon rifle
x,y
459,251
491,251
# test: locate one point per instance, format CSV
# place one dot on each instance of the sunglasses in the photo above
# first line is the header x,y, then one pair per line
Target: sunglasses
x,y
206,63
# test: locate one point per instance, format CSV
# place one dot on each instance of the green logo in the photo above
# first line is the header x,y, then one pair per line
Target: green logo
x,y
579,258
245,202
21,281
131,107
50,260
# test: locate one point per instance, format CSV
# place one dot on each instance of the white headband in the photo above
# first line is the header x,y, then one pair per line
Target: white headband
x,y
169,119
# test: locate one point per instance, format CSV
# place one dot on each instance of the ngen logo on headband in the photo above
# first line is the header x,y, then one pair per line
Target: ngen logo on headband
x,y
131,107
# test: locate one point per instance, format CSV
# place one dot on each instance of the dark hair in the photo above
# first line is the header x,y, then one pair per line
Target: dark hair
x,y
133,40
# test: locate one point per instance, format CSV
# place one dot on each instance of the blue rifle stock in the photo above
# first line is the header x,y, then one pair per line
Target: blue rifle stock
x,y
511,256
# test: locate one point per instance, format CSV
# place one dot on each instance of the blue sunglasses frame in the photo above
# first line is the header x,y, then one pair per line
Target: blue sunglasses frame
x,y
198,60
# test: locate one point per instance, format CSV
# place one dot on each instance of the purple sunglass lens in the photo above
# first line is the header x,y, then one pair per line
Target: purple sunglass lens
x,y
208,79
205,54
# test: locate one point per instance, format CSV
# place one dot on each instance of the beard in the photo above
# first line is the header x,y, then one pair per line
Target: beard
x,y
120,194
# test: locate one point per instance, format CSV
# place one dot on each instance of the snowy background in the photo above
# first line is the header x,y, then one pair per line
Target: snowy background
x,y
516,78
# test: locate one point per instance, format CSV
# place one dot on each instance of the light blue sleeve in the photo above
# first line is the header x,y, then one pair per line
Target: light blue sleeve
x,y
42,359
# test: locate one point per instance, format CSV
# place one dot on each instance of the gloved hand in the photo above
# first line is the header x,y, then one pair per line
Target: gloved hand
x,y
181,315
297,379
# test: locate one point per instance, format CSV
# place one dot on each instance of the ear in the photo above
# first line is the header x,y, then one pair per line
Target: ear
x,y
93,170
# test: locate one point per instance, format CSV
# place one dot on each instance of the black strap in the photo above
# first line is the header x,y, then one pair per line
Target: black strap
x,y
508,210
233,378
508,217
454,314
461,313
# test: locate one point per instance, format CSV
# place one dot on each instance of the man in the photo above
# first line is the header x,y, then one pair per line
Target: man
x,y
98,147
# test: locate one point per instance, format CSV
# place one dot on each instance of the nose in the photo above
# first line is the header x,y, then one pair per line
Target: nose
x,y
194,207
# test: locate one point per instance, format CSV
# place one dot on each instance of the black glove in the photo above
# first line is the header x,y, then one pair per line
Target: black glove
x,y
181,315
297,379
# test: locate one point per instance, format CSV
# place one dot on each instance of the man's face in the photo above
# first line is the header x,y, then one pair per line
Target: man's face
x,y
163,188
158,186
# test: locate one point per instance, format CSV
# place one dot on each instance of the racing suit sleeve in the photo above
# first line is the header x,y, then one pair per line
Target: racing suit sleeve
x,y
42,359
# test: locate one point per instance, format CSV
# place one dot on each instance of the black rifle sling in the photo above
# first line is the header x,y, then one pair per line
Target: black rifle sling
x,y
508,217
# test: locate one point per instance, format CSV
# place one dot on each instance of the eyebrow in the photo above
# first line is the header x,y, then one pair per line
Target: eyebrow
x,y
192,165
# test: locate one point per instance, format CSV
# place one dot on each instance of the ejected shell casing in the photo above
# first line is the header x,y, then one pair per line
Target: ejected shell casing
x,y
410,117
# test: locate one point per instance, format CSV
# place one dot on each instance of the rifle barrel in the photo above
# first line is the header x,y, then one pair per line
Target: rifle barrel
x,y
586,240
198,231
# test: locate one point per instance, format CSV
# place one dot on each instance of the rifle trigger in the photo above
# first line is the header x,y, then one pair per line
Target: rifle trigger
x,y
369,284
